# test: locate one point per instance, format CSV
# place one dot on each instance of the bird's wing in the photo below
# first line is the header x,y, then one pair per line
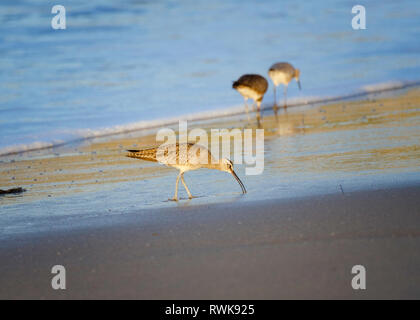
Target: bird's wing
x,y
184,153
254,81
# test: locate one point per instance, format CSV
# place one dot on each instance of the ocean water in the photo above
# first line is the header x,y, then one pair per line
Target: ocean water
x,y
122,64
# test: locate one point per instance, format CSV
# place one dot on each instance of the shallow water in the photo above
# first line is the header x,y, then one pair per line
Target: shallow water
x,y
133,61
311,150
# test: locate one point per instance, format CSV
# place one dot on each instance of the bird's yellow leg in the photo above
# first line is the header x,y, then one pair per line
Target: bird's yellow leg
x,y
253,107
275,102
176,187
275,96
246,109
185,186
285,96
258,113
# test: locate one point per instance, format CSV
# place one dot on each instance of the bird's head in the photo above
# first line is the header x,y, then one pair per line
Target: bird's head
x,y
227,166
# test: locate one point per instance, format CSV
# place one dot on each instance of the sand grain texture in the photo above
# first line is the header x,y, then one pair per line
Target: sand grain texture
x,y
302,248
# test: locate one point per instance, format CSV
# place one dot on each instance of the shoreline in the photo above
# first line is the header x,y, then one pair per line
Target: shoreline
x,y
222,245
305,185
209,116
300,248
360,144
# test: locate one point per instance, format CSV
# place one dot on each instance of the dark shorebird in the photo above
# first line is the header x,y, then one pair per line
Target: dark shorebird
x,y
185,157
283,73
252,86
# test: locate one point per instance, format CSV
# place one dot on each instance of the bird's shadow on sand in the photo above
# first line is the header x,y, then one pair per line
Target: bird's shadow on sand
x,y
183,202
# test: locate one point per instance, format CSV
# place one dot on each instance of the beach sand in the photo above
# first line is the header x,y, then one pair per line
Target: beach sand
x,y
293,246
302,248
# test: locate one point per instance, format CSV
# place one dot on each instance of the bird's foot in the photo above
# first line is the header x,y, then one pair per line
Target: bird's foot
x,y
173,199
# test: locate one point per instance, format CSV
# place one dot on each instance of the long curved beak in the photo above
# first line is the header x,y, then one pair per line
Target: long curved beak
x,y
300,88
239,181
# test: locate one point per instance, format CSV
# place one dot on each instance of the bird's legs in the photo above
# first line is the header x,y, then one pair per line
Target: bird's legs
x,y
246,108
285,96
185,186
175,198
181,176
258,112
275,102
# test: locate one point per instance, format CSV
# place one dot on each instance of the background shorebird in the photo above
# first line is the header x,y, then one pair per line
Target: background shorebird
x,y
252,86
185,157
283,73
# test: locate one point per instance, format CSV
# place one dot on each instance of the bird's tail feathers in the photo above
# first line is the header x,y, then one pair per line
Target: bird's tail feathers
x,y
146,154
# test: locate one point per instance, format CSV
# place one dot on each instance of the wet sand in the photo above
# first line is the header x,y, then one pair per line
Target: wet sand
x,y
218,246
100,164
301,248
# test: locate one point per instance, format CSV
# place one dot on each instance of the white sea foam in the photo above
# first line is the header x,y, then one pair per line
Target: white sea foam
x,y
85,134
37,145
392,85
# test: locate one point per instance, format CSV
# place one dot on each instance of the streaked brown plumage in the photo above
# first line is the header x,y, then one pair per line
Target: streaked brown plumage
x,y
251,86
145,154
185,157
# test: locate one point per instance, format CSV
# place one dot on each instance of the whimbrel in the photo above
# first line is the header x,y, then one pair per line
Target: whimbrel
x,y
251,86
185,157
283,73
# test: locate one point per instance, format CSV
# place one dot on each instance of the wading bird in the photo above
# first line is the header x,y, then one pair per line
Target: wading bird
x,y
251,86
283,73
185,157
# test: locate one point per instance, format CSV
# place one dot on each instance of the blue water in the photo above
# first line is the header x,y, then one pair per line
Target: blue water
x,y
123,62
